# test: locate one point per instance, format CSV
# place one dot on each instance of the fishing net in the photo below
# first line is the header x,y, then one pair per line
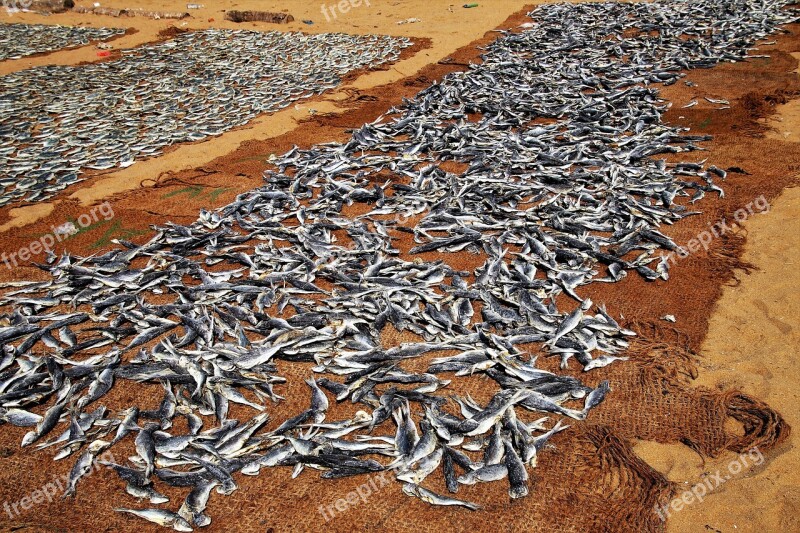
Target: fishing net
x,y
587,477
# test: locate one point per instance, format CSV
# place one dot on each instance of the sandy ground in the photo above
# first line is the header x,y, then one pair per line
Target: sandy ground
x,y
752,346
752,336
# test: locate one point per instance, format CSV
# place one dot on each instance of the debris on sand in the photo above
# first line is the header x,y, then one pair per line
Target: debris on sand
x,y
259,16
131,12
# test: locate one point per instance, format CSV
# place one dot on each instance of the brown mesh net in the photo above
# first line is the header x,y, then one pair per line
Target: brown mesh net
x,y
588,478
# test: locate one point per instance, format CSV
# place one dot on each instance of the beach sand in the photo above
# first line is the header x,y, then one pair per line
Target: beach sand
x,y
752,334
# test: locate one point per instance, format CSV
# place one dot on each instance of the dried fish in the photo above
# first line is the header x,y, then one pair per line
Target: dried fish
x,y
20,40
198,85
282,275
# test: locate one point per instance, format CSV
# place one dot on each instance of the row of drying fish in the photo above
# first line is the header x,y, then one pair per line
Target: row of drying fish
x,y
536,165
58,121
20,40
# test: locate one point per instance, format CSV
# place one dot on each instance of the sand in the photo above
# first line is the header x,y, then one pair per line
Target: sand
x,y
752,346
748,342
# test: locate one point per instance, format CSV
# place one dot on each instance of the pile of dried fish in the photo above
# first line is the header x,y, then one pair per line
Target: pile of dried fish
x,y
56,121
306,269
20,40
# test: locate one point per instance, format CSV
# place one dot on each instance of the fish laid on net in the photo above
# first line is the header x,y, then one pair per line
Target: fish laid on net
x,y
20,40
58,121
556,132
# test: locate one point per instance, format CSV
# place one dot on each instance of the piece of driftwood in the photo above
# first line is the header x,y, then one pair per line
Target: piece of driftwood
x,y
158,14
258,16
108,11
